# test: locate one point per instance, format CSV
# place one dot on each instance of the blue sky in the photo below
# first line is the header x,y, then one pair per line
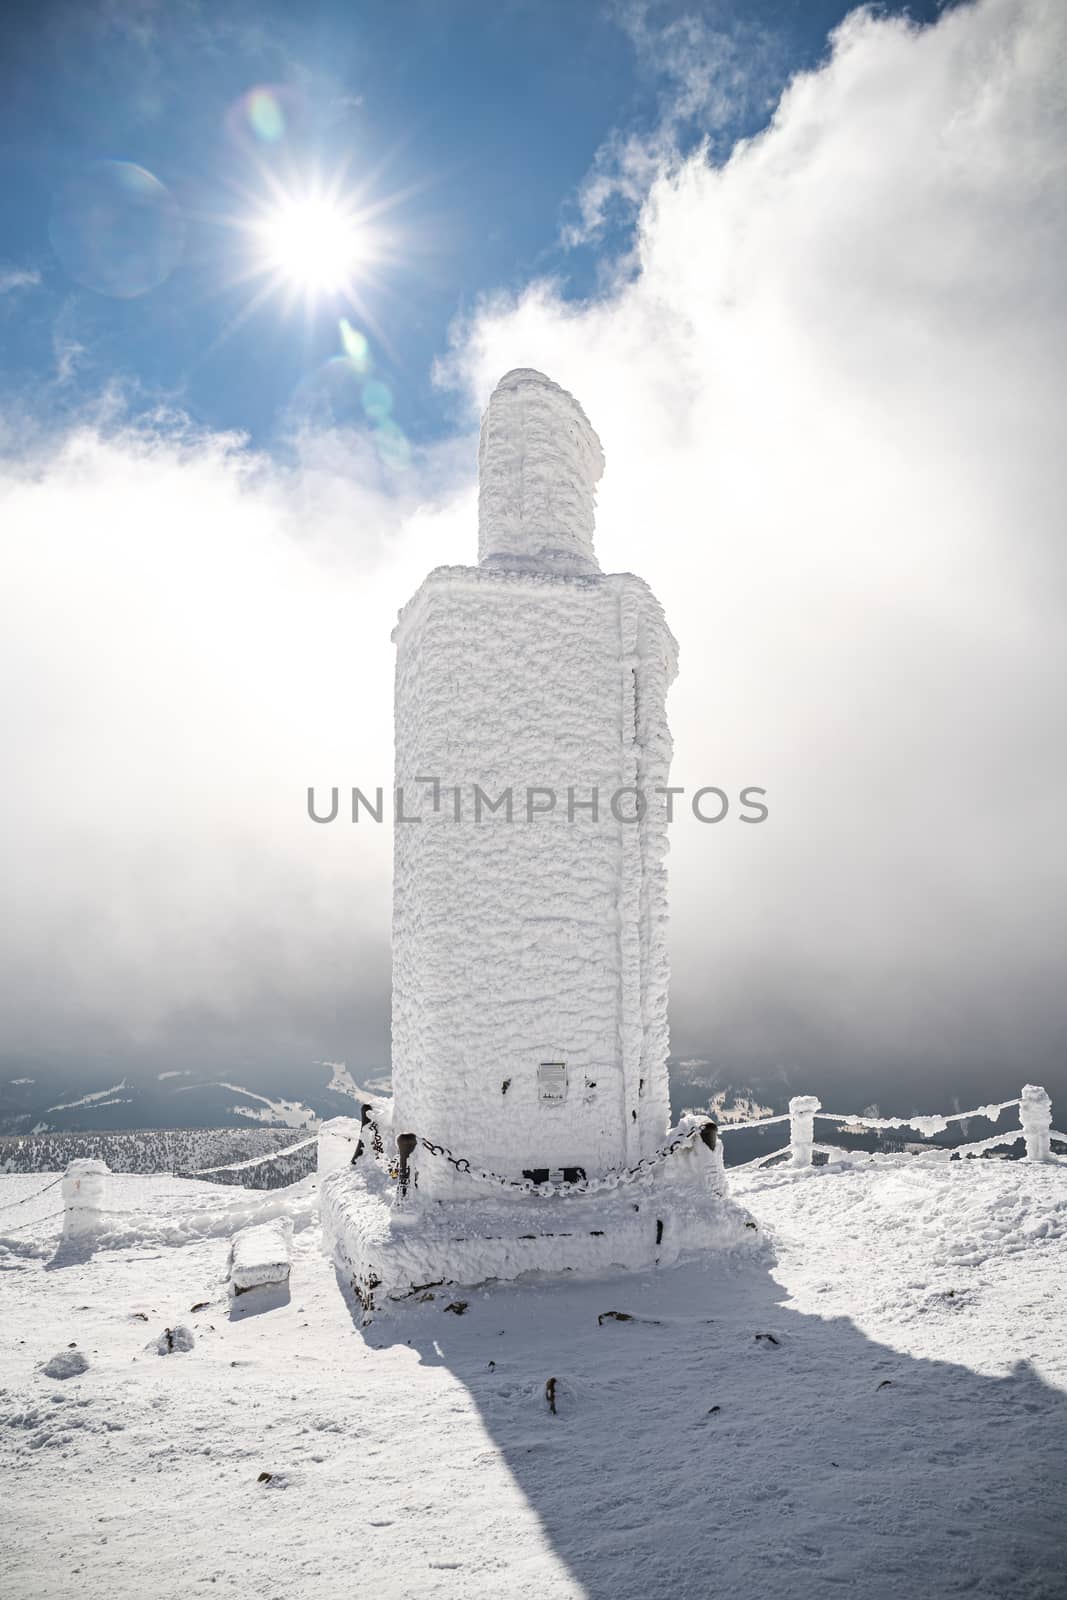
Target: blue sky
x,y
471,124
828,385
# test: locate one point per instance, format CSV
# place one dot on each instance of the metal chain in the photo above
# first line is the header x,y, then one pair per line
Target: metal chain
x,y
611,1180
377,1145
27,1198
18,1226
253,1161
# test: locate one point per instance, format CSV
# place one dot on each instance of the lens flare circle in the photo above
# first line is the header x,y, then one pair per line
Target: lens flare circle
x,y
313,243
377,401
264,118
116,229
266,115
355,346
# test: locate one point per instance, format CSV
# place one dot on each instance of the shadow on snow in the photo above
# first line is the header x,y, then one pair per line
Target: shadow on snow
x,y
729,1445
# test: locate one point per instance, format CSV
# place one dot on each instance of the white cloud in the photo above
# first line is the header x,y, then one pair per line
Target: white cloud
x,y
69,353
709,76
193,637
14,278
831,398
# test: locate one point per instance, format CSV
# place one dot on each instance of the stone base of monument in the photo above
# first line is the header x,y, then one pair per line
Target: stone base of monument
x,y
390,1252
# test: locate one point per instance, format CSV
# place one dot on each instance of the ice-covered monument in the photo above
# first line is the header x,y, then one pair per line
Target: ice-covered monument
x,y
529,1125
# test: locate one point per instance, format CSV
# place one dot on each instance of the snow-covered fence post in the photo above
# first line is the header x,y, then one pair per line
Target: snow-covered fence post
x,y
84,1197
339,1142
802,1109
710,1154
1035,1115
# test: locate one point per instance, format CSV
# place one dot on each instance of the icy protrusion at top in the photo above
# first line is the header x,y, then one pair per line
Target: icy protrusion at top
x,y
539,462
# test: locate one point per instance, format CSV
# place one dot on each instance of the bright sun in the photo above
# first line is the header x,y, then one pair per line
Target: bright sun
x,y
313,243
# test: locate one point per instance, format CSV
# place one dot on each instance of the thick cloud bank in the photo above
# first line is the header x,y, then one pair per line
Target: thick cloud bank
x,y
193,637
831,399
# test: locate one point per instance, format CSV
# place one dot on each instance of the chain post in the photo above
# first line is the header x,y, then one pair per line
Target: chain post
x,y
802,1109
405,1149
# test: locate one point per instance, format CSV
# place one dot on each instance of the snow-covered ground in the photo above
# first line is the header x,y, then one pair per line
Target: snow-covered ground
x,y
291,1113
102,1097
877,1407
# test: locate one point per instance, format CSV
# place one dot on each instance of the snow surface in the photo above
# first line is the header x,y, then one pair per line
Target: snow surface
x,y
375,1091
290,1113
880,1412
101,1095
341,1080
742,1107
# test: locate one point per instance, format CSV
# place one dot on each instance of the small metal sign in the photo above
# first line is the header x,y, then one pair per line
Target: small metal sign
x,y
552,1082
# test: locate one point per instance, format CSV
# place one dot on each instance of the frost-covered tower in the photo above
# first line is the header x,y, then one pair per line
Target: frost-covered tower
x,y
528,1126
530,965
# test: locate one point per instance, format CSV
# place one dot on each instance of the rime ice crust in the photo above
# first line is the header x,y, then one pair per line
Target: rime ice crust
x,y
539,462
517,943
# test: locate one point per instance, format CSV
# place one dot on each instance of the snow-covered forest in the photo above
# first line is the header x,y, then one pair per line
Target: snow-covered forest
x,y
164,1150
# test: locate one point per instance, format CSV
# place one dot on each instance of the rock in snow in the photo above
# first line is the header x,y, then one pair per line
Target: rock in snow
x,y
66,1364
174,1339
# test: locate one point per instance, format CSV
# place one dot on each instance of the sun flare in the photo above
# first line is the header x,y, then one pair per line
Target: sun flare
x,y
313,243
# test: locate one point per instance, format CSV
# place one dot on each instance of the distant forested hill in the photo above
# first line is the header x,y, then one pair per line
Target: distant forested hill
x,y
165,1150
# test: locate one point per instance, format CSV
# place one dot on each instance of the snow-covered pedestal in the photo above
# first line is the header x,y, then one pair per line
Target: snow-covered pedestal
x,y
392,1247
530,967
